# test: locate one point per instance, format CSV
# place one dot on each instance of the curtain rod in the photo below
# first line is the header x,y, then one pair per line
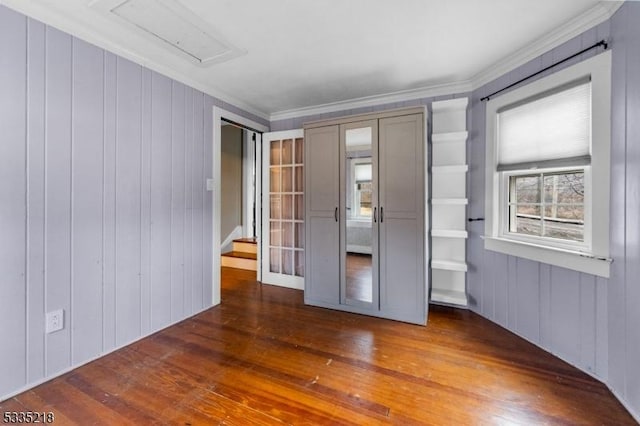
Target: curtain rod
x,y
602,43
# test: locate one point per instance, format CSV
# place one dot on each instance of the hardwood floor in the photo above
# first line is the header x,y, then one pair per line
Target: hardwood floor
x,y
359,277
262,357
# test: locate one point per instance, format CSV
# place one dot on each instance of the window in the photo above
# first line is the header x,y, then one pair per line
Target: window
x,y
547,192
362,190
547,205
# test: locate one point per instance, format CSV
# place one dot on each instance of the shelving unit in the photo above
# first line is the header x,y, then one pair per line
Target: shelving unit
x,y
448,202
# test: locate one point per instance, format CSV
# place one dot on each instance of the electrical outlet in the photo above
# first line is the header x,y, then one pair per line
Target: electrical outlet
x,y
55,321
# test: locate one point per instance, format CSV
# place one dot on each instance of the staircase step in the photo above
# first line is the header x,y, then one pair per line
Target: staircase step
x,y
240,260
246,245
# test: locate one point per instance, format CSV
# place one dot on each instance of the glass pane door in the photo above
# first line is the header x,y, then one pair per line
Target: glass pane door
x,y
283,209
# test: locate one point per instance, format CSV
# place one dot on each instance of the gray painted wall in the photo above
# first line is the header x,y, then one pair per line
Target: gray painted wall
x,y
588,321
231,180
103,209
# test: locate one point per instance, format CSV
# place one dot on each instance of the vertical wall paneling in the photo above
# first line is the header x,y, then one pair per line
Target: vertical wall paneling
x,y
145,208
527,299
160,201
177,201
128,151
588,318
633,206
602,336
58,193
617,229
13,61
109,205
516,286
103,208
501,288
188,197
85,317
197,177
565,313
207,227
35,200
546,323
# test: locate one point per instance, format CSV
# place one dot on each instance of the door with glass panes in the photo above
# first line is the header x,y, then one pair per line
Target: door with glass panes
x,y
282,259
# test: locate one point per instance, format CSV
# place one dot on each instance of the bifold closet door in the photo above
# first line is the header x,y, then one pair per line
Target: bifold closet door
x,y
401,218
322,232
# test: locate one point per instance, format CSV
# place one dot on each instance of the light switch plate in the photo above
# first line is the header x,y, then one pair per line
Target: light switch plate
x,y
209,184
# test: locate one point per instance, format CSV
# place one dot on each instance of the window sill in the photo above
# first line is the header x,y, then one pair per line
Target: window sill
x,y
554,256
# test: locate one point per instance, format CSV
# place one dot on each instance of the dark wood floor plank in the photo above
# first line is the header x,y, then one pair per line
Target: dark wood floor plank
x,y
264,358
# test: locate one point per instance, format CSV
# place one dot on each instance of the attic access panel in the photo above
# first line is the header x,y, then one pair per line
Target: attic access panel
x,y
174,26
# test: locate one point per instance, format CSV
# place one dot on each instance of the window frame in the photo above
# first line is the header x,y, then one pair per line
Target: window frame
x,y
592,256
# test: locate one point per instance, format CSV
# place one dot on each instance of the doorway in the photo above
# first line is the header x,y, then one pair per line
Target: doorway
x,y
221,118
239,245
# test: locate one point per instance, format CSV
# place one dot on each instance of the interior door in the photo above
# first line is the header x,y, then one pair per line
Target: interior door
x,y
282,242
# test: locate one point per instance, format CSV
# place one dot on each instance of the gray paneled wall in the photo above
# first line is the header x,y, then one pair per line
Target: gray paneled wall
x,y
589,321
624,285
103,208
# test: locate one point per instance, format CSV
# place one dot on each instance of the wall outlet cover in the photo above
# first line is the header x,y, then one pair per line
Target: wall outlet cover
x,y
55,321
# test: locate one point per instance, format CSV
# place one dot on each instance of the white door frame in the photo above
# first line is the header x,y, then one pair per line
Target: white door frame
x,y
268,277
249,167
216,187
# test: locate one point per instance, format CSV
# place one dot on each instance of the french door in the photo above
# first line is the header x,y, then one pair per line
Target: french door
x,y
282,242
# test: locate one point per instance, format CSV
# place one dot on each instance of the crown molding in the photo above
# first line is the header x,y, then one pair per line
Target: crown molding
x,y
369,101
572,28
450,105
52,17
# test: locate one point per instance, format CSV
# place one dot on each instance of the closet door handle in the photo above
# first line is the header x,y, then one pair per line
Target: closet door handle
x,y
381,214
374,214
335,214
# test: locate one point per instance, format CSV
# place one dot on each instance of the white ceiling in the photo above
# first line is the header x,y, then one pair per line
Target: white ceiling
x,y
299,54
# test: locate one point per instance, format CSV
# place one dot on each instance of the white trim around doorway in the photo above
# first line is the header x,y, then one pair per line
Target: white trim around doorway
x,y
215,186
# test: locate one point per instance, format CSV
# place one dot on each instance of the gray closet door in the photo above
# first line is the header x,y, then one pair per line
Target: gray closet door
x,y
322,194
401,203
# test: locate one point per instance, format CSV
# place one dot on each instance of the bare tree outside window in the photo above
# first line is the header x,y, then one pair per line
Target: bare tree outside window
x,y
548,205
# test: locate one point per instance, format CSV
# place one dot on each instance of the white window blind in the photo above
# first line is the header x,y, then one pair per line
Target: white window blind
x,y
363,173
552,129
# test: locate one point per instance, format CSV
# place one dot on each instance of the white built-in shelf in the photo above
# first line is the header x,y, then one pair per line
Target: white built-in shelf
x,y
449,137
449,265
448,233
450,201
450,169
448,296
